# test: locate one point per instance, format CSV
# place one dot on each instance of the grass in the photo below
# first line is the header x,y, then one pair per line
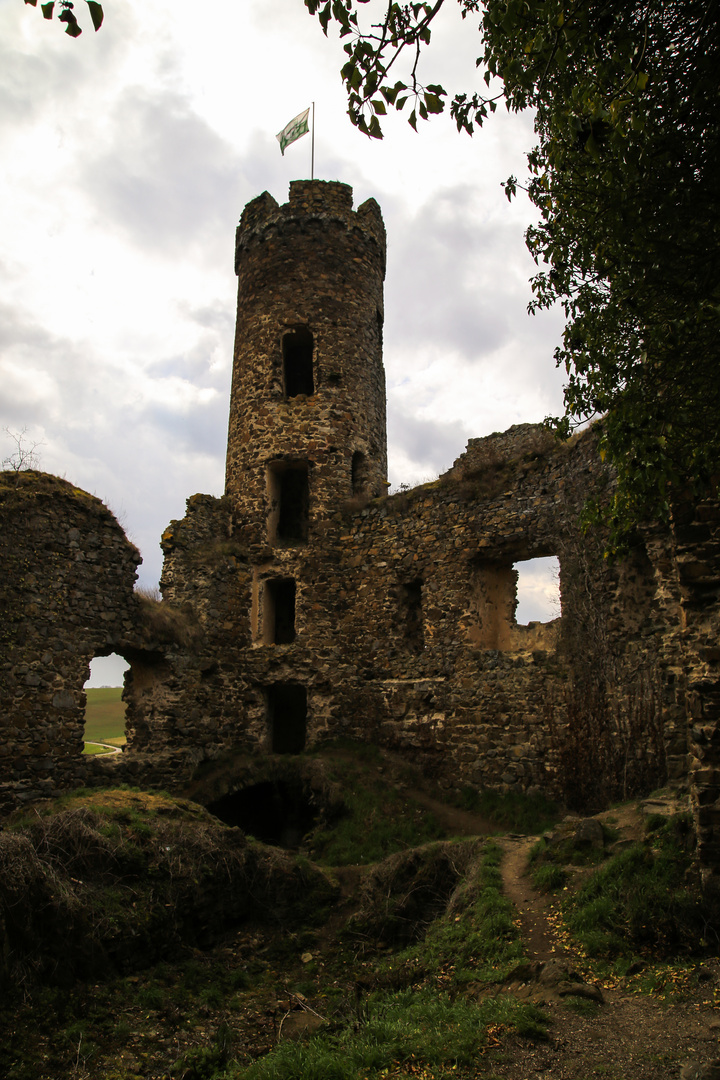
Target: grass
x,y
640,902
418,1033
104,719
549,878
511,812
476,940
376,819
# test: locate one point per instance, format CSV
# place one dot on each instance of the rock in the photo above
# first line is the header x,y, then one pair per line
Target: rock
x,y
580,832
581,989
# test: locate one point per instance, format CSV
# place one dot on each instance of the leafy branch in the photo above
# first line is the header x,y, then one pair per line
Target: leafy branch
x,y
67,15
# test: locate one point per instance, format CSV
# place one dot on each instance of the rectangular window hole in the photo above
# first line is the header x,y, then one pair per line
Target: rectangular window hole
x,y
288,486
538,590
287,717
279,611
360,473
297,347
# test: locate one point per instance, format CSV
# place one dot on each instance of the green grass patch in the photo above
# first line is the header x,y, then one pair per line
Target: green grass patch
x,y
476,940
96,748
549,878
511,812
640,902
410,1028
376,822
104,717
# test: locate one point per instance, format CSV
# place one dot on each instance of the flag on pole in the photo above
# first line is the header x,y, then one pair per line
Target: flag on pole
x,y
294,130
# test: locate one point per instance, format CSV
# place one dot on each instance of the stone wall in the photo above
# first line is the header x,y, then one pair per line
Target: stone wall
x,y
66,595
405,631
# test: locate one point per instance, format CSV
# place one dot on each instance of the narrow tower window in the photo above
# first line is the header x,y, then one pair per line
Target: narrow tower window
x,y
279,611
298,363
287,717
360,473
290,503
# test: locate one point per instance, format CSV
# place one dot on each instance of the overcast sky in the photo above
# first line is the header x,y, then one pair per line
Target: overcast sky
x,y
128,156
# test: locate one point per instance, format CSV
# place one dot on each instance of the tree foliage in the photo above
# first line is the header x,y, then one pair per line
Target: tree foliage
x,y
67,16
625,178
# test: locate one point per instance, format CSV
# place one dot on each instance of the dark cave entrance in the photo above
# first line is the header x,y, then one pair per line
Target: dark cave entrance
x,y
273,811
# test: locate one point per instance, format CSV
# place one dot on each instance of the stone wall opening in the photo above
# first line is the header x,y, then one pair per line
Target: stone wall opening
x,y
411,615
105,711
274,811
538,590
297,349
287,717
289,489
278,611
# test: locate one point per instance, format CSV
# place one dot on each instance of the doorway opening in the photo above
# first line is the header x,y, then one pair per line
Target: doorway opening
x,y
274,811
279,611
289,490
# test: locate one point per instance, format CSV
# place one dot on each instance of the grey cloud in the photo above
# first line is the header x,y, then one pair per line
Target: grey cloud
x,y
432,446
451,279
165,178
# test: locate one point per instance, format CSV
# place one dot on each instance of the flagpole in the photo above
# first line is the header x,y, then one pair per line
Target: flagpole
x,y
312,152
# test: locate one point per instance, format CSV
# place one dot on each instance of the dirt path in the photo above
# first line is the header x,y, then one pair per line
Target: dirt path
x,y
630,1035
533,908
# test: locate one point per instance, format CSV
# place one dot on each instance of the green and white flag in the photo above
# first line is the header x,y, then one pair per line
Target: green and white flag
x,y
294,130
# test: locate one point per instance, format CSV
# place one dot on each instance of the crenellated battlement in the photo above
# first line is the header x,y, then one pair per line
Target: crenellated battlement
x,y
310,200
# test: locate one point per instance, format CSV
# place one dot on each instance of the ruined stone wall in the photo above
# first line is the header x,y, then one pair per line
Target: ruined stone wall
x,y
405,632
66,595
696,679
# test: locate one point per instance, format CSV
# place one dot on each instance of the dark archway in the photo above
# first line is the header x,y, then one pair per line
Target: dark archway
x,y
273,811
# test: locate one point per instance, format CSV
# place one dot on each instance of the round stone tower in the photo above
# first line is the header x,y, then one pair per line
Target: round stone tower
x,y
307,406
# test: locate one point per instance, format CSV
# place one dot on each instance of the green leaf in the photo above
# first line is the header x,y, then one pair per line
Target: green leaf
x,y
33,2
47,9
96,13
379,106
412,120
72,27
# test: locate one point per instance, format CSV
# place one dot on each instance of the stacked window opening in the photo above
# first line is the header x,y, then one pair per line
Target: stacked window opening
x,y
289,491
298,363
287,717
279,611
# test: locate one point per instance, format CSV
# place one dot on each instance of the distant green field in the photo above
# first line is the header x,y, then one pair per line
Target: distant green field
x,y
104,718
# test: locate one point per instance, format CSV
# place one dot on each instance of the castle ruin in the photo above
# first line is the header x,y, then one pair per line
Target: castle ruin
x,y
307,605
